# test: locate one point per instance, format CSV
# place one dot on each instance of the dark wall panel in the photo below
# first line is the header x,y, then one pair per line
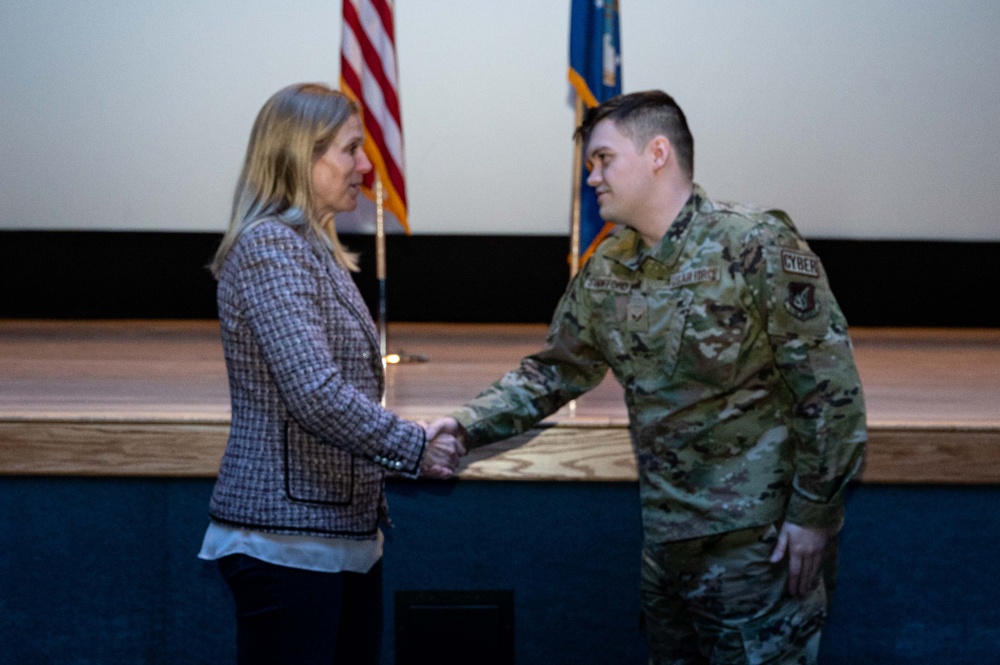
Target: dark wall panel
x,y
96,275
103,570
474,279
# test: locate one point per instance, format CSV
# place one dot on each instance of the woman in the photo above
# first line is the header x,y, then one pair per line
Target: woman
x,y
299,497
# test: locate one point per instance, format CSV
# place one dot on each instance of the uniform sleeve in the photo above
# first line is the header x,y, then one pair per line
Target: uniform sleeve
x,y
813,354
569,365
280,290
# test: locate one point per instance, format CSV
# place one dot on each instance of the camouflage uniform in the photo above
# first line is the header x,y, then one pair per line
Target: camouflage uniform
x,y
745,407
719,600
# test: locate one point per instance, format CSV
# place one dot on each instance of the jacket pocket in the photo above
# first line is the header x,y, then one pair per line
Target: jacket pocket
x,y
316,472
714,336
653,330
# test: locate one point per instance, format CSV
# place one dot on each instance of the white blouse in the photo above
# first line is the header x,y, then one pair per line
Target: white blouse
x,y
324,555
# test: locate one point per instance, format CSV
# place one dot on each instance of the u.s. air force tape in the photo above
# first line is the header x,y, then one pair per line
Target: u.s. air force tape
x,y
695,276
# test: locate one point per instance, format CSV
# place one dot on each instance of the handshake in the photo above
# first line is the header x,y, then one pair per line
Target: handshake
x,y
445,447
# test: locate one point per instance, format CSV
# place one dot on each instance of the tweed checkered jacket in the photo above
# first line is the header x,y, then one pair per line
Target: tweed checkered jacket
x,y
309,445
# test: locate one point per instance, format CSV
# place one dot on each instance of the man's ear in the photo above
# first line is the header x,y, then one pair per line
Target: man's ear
x,y
659,149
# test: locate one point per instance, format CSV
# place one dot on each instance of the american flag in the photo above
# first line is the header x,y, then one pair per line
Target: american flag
x,y
368,75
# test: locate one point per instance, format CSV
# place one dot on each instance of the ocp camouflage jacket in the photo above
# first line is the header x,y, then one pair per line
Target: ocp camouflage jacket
x,y
745,406
309,444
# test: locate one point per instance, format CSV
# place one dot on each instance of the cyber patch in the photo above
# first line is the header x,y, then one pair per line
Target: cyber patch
x,y
801,302
799,263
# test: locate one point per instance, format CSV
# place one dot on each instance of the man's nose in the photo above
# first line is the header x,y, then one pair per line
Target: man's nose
x,y
594,178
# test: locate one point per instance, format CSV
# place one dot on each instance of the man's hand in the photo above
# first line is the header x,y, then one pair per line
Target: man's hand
x,y
444,448
805,547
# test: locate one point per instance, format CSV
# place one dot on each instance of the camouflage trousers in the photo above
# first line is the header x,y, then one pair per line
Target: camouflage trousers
x,y
719,601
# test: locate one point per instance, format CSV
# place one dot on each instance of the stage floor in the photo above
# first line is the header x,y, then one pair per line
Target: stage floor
x,y
123,397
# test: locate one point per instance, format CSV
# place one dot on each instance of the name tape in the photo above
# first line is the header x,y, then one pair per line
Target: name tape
x,y
608,284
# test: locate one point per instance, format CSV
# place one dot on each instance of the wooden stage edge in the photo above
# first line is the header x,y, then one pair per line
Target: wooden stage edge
x,y
553,452
934,403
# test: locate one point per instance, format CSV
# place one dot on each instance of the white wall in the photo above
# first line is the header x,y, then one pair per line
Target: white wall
x,y
874,118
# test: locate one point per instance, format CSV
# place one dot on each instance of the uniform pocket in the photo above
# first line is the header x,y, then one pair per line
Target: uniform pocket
x,y
654,329
716,328
790,633
316,472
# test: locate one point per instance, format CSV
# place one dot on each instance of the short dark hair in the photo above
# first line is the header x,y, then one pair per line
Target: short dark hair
x,y
641,116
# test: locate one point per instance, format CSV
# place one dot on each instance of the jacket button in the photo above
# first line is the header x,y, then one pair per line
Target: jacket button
x,y
398,465
364,354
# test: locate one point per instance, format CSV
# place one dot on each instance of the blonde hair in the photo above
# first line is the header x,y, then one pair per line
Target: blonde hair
x,y
293,128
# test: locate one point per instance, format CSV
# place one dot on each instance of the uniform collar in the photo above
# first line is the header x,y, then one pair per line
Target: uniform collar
x,y
630,251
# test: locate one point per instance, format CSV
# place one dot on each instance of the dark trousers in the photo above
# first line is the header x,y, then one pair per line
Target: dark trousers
x,y
290,616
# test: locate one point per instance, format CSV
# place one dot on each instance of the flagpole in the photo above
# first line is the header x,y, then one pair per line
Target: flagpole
x,y
574,262
574,241
380,262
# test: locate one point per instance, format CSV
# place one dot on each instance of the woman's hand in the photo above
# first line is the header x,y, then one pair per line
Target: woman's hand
x,y
445,448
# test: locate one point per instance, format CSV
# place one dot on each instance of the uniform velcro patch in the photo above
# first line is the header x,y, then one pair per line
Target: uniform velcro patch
x,y
608,284
799,263
801,302
695,276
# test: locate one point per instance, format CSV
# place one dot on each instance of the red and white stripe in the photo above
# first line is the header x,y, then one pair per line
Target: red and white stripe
x,y
368,74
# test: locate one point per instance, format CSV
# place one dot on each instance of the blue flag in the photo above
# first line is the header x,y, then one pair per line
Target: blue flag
x,y
596,75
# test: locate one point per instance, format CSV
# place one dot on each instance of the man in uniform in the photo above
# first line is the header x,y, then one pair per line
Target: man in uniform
x,y
745,407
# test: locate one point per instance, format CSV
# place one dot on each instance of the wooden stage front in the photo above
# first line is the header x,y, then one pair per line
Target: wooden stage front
x,y
149,398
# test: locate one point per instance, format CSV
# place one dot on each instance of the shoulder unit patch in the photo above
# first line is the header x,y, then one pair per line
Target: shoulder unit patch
x,y
801,301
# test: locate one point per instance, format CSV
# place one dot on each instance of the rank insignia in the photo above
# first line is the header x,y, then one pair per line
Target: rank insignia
x,y
638,307
801,301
